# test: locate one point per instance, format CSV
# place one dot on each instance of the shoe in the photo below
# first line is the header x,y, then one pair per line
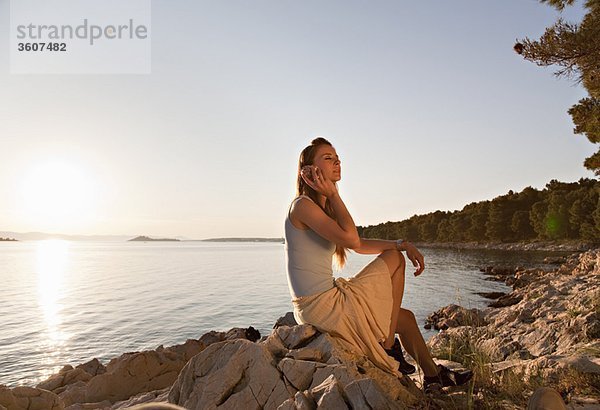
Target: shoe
x,y
447,378
396,353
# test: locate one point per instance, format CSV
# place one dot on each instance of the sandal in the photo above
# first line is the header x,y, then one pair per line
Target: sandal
x,y
447,378
396,353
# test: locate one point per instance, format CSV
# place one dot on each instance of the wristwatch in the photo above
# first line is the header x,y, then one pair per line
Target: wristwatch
x,y
399,243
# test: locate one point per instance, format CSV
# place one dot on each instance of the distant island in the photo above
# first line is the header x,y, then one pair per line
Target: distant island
x,y
41,236
8,240
148,239
243,240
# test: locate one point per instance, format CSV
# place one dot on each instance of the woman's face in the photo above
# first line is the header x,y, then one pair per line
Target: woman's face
x,y
329,163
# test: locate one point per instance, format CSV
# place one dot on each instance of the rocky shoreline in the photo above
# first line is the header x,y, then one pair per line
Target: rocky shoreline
x,y
545,332
546,246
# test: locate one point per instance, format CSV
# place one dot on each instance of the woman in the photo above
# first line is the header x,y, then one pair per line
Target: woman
x,y
364,310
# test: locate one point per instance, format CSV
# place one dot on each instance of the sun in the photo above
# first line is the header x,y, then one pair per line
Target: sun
x,y
56,195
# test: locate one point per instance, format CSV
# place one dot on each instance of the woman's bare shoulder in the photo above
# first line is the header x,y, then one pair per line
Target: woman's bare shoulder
x,y
302,201
300,205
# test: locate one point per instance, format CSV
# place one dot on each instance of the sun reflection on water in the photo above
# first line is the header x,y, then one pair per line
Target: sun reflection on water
x,y
52,257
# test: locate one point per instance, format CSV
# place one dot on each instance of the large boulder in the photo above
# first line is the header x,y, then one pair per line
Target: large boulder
x,y
295,367
236,374
133,373
454,316
29,398
132,378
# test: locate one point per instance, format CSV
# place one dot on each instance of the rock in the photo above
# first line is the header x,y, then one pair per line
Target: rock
x,y
546,398
73,393
234,374
496,279
491,295
156,406
252,334
506,271
502,271
157,396
303,401
65,377
93,367
236,333
275,346
549,323
500,348
501,366
555,260
297,336
506,300
524,278
364,393
286,320
300,401
454,316
328,395
591,325
134,373
521,354
295,367
132,378
103,405
29,398
583,364
298,372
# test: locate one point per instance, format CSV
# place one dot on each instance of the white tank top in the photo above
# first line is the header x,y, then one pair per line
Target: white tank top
x,y
308,259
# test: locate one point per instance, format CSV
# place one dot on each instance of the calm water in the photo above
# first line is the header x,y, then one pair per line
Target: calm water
x,y
68,302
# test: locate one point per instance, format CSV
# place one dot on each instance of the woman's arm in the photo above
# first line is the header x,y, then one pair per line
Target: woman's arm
x,y
341,231
371,246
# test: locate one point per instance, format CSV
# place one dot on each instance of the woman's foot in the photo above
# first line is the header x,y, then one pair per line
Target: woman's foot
x,y
396,352
447,377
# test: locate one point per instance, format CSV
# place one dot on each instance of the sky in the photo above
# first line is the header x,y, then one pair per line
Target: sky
x,y
426,103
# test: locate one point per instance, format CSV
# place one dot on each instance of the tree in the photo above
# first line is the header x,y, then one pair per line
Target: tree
x,y
537,216
428,226
521,225
575,49
500,214
562,210
479,217
444,231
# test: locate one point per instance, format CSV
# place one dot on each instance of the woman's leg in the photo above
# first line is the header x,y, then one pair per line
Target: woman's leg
x,y
413,342
396,265
403,321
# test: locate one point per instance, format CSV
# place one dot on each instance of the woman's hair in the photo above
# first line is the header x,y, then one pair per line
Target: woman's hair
x,y
307,157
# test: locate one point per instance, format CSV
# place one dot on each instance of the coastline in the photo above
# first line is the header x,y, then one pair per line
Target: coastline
x,y
545,246
546,329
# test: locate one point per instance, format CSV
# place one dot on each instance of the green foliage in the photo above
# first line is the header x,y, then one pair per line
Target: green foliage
x,y
558,4
499,219
561,211
586,117
575,50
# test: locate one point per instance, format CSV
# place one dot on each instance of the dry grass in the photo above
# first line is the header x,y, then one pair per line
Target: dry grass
x,y
508,388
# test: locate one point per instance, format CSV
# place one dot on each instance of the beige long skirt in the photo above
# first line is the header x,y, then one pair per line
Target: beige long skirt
x,y
357,310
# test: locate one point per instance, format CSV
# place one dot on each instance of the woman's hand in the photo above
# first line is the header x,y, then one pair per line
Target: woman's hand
x,y
415,257
313,176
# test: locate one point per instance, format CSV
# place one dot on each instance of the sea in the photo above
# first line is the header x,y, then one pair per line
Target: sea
x,y
66,302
